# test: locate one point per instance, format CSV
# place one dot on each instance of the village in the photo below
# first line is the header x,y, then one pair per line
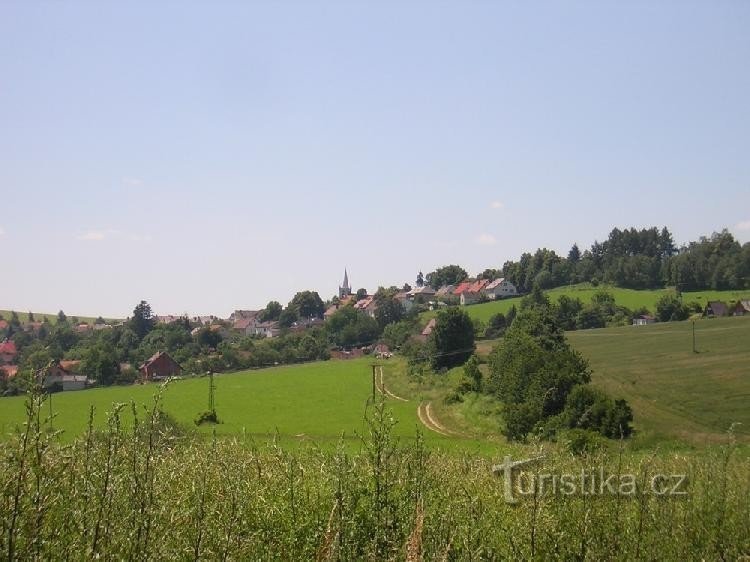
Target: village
x,y
66,375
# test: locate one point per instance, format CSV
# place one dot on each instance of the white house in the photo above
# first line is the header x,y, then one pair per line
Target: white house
x,y
500,288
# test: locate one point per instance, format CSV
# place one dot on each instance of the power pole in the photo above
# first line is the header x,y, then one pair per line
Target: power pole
x,y
211,402
374,367
694,350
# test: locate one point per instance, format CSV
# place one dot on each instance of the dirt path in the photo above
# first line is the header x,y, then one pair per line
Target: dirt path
x,y
424,417
383,390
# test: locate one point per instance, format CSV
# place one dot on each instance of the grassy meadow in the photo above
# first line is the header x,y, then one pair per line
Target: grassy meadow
x,y
629,298
23,317
313,402
674,392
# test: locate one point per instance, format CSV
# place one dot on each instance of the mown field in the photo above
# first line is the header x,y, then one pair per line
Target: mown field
x,y
630,298
675,394
314,402
673,391
51,316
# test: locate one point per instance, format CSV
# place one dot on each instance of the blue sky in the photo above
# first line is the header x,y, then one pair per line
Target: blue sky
x,y
212,156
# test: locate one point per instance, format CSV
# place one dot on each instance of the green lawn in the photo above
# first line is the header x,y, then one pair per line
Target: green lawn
x,y
673,391
51,316
315,401
625,297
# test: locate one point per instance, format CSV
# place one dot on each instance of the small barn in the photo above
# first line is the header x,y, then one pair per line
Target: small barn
x,y
716,308
643,320
160,366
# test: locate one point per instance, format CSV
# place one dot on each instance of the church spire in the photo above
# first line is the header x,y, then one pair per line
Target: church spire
x,y
345,290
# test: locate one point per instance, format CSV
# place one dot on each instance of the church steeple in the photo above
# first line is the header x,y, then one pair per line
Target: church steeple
x,y
345,289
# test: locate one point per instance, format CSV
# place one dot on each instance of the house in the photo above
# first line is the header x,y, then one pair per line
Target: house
x,y
500,288
741,308
4,325
445,291
8,371
475,292
461,288
246,322
168,319
426,292
643,319
64,376
82,328
404,300
32,327
160,366
8,351
367,304
268,329
716,308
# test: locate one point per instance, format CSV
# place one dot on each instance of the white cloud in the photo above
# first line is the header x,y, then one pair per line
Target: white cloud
x,y
132,182
744,225
485,240
497,205
93,235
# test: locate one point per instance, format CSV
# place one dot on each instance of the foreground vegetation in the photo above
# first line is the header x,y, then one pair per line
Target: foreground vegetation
x,y
154,492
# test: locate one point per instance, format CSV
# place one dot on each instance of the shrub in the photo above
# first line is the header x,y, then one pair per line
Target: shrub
x,y
206,417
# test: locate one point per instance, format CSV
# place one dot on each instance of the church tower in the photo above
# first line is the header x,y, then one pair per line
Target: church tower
x,y
345,289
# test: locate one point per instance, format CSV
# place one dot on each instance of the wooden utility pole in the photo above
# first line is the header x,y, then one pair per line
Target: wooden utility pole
x,y
211,402
374,367
694,350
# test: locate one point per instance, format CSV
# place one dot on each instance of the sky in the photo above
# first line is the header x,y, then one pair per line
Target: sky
x,y
209,156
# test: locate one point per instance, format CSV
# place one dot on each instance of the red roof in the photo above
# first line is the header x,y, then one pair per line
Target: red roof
x,y
462,287
10,370
478,286
8,347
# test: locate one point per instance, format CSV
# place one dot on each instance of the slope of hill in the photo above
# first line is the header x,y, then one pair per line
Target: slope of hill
x,y
52,317
630,298
673,391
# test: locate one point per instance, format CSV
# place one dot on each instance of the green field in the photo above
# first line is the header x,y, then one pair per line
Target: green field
x,y
629,298
23,317
312,402
674,392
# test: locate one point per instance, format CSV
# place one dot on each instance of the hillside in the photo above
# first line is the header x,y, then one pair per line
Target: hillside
x,y
51,316
629,298
673,391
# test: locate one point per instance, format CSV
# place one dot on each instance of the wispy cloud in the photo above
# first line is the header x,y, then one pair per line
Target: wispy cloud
x,y
97,235
497,205
132,182
94,235
744,225
485,240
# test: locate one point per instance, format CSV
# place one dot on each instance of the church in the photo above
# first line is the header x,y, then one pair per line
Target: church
x,y
345,290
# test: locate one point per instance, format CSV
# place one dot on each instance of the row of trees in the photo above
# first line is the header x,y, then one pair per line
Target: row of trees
x,y
639,259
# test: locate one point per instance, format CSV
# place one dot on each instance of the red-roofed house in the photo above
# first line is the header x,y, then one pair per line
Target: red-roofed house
x,y
160,366
461,287
8,351
474,292
8,371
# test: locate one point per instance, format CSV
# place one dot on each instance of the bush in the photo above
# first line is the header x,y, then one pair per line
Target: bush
x,y
582,441
206,417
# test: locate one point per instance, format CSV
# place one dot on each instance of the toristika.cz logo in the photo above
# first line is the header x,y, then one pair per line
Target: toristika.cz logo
x,y
520,482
